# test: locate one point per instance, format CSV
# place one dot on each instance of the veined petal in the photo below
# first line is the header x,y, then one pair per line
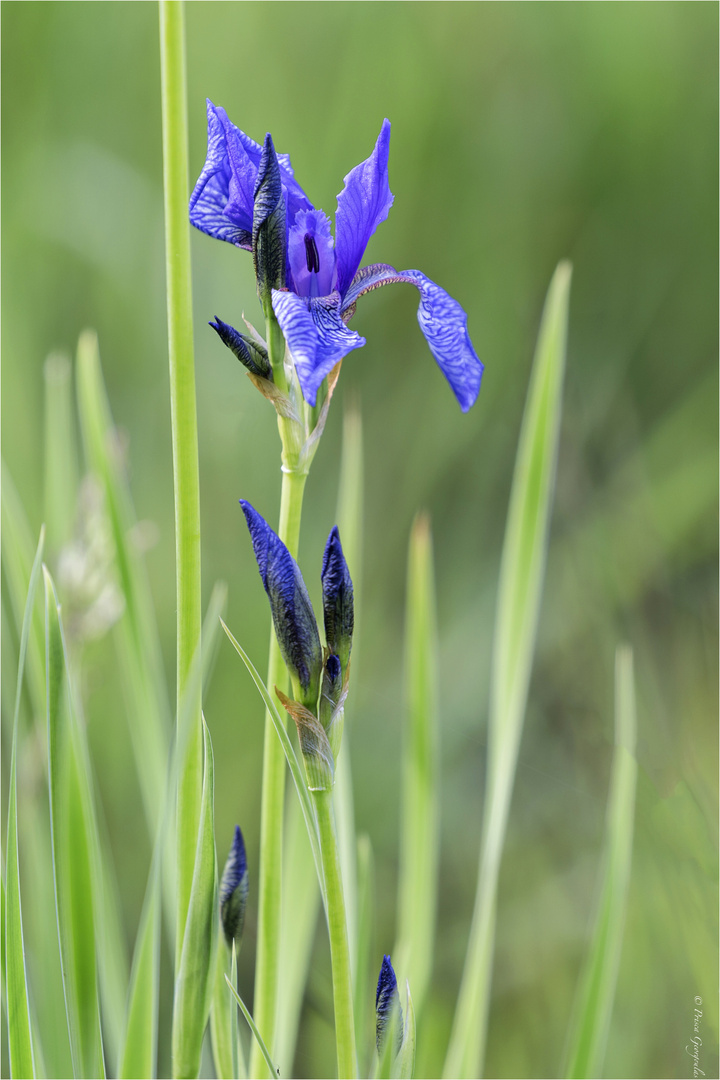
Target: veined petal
x,y
442,321
212,193
316,336
362,204
221,204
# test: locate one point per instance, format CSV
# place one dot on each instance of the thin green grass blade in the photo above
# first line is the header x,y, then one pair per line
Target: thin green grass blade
x,y
136,634
363,971
405,1064
193,984
238,1057
18,548
138,1056
420,837
521,577
301,903
17,1002
258,1037
295,770
590,1024
74,844
61,463
227,1049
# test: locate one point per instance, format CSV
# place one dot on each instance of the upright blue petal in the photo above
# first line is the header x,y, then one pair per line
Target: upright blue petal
x,y
234,890
316,336
362,204
293,618
386,999
442,321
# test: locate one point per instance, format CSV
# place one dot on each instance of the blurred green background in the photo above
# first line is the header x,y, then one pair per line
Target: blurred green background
x,y
522,133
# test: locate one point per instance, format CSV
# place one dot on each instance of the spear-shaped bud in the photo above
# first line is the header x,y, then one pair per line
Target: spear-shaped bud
x,y
250,353
338,609
269,235
293,618
234,891
388,1013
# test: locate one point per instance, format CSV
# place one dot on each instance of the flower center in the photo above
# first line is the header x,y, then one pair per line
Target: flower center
x,y
311,254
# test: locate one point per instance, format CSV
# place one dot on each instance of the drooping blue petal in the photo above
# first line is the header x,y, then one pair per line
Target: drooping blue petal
x,y
234,890
362,204
222,201
442,321
220,184
316,336
338,601
386,999
293,618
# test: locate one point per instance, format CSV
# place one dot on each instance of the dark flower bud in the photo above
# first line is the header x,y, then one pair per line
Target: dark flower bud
x,y
388,1013
337,590
248,352
234,891
269,235
293,618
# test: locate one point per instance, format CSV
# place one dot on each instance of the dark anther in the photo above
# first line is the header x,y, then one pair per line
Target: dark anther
x,y
311,254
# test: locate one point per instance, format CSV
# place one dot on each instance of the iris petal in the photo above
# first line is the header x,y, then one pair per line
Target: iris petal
x,y
442,321
221,204
362,204
316,336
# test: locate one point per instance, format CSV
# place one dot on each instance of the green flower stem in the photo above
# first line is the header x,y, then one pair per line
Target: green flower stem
x,y
273,783
337,928
184,438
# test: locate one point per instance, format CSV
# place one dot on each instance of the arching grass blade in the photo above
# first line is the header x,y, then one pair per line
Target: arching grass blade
x,y
17,1003
521,576
590,1023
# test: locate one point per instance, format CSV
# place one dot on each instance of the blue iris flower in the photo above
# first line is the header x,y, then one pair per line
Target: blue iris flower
x,y
386,1000
323,278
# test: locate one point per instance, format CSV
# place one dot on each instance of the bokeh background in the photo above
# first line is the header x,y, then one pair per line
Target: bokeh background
x,y
522,134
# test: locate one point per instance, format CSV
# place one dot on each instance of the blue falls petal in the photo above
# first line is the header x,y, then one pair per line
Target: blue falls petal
x,y
316,336
221,204
212,193
362,204
442,321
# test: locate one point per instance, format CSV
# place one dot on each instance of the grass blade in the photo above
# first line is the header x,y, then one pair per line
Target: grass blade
x,y
593,1009
521,577
295,770
136,634
74,847
20,1046
194,978
61,466
258,1037
138,1056
363,972
18,547
419,848
405,1064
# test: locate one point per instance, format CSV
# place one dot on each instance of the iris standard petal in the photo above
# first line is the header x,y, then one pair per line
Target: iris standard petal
x,y
442,321
316,336
362,204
